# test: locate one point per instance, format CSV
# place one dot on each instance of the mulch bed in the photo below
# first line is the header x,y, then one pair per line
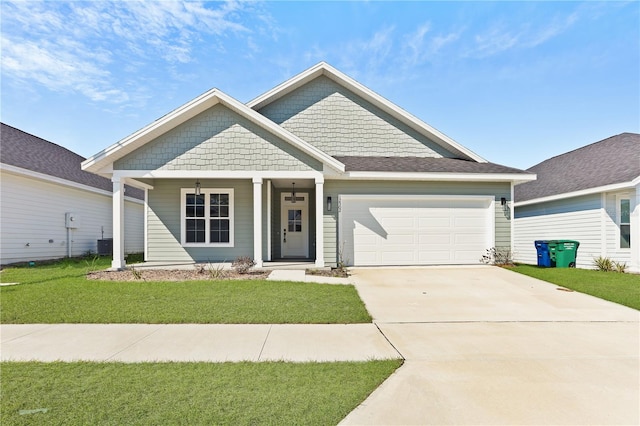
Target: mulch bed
x,y
174,275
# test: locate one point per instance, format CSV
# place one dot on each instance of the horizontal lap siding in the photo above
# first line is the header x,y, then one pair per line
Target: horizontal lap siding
x,y
164,227
334,188
33,212
577,219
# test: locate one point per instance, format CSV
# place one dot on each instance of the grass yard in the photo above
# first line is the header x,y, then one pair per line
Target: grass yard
x,y
187,393
615,287
60,293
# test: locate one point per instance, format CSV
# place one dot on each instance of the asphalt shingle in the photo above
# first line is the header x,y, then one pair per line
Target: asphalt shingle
x,y
422,165
21,149
609,161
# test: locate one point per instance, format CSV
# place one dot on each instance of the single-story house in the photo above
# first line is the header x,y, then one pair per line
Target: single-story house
x,y
50,208
320,168
591,195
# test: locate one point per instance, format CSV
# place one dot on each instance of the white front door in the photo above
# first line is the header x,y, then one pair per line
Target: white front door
x,y
294,222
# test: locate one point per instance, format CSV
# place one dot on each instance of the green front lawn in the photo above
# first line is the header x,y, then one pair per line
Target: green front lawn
x,y
60,293
186,393
615,287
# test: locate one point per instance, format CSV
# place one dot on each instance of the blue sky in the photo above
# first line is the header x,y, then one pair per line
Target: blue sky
x,y
516,82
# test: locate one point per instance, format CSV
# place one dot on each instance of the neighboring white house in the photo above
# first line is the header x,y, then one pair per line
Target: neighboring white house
x,y
50,208
591,195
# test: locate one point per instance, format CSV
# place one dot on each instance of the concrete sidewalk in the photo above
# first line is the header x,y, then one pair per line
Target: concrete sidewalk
x,y
194,342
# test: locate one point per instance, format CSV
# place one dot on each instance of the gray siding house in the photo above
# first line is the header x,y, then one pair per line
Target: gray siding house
x,y
591,195
320,168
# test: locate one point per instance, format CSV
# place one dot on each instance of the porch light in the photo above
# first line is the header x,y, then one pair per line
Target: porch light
x,y
293,192
198,187
328,204
503,201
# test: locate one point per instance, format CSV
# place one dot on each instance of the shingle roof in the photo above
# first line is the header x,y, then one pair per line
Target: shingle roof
x,y
422,165
21,149
609,161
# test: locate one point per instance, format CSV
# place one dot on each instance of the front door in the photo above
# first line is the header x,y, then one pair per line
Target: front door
x,y
294,222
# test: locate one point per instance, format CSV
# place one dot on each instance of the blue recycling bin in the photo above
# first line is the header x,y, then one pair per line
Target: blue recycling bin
x,y
544,257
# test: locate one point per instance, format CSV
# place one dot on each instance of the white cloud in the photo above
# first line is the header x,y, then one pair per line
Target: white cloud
x,y
502,37
86,46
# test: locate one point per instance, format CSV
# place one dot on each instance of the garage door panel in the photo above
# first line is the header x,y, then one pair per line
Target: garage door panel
x,y
394,231
434,239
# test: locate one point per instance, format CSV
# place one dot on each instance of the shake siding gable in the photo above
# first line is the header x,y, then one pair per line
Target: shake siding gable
x,y
340,123
218,139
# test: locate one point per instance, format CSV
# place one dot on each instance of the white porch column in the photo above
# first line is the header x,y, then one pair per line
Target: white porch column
x,y
319,222
635,230
257,221
118,223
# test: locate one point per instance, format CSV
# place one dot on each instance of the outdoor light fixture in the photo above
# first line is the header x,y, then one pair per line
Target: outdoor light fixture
x,y
328,204
198,187
503,201
293,192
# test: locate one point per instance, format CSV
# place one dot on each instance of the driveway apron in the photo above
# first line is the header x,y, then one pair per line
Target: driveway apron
x,y
484,345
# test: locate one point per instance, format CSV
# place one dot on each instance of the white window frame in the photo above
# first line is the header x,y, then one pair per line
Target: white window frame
x,y
619,199
183,216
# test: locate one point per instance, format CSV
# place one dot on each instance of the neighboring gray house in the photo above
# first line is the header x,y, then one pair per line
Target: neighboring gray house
x,y
591,195
42,188
320,168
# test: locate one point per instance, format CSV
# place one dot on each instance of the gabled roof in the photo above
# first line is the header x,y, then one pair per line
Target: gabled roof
x,y
29,152
615,160
189,110
324,69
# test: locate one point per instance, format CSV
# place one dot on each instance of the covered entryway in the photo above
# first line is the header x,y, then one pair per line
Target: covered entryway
x,y
294,222
415,230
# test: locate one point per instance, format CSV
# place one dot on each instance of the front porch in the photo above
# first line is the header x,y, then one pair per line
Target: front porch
x,y
216,217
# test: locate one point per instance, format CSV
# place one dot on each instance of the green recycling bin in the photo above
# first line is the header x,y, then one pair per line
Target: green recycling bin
x,y
564,253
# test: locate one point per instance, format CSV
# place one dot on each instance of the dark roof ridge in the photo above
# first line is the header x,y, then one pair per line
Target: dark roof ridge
x,y
584,147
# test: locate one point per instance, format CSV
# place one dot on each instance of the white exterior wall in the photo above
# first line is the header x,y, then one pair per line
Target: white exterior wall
x,y
32,212
591,219
578,218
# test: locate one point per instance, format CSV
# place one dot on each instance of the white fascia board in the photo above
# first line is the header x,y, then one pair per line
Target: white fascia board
x,y
19,171
151,131
215,174
456,177
589,191
385,105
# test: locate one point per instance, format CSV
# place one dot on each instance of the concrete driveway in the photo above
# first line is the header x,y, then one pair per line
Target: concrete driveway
x,y
484,345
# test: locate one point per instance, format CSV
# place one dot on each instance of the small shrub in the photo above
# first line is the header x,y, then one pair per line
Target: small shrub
x,y
603,264
215,272
342,262
92,266
620,267
136,274
500,256
243,264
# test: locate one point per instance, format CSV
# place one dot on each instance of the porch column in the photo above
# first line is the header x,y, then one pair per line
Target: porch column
x,y
635,226
320,222
118,224
257,221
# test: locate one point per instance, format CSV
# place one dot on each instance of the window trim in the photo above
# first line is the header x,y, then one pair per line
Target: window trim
x,y
183,216
619,223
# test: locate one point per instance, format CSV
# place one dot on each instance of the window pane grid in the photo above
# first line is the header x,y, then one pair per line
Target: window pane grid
x,y
210,225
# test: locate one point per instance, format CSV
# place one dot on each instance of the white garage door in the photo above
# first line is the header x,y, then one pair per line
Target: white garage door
x,y
420,230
